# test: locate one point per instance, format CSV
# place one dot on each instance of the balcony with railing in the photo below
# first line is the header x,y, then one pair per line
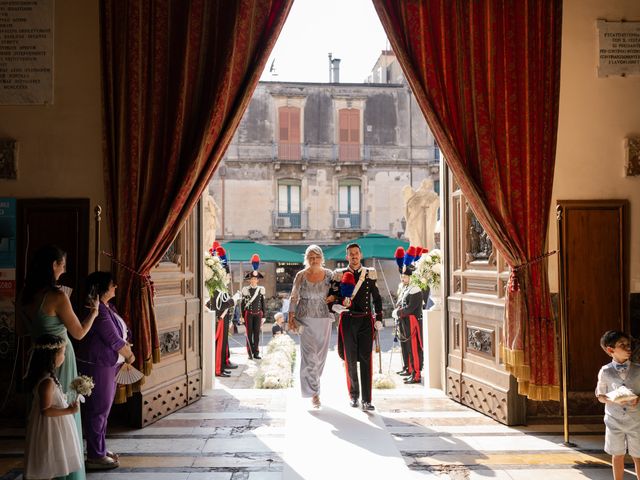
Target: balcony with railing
x,y
334,153
290,221
289,151
349,152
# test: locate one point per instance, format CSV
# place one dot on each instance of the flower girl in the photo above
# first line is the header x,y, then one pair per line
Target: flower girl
x,y
52,445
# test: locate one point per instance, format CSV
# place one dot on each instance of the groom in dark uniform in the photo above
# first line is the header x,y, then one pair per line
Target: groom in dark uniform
x,y
356,328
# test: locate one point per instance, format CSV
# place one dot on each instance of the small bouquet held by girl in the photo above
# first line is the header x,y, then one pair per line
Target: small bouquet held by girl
x,y
81,387
51,416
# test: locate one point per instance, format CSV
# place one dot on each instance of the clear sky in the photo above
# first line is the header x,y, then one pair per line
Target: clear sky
x,y
349,29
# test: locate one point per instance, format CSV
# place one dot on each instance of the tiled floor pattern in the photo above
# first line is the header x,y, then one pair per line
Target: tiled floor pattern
x,y
237,432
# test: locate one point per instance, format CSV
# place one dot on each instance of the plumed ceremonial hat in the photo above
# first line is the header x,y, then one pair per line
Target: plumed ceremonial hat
x,y
406,259
408,269
253,274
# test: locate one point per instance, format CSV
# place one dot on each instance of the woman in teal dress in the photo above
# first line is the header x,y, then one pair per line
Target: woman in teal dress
x,y
49,310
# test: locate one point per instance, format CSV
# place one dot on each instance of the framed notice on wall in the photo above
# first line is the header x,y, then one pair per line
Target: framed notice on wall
x,y
618,48
26,52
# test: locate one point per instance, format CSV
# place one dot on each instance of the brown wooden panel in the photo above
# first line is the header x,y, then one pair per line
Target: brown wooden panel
x,y
595,286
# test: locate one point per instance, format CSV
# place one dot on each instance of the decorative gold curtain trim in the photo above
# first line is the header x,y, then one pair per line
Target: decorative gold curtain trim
x,y
514,363
156,355
148,363
539,392
123,393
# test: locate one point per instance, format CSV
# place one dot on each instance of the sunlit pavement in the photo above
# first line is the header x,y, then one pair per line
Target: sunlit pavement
x,y
238,432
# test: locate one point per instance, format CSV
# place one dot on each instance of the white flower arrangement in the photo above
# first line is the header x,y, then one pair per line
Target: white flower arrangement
x,y
428,270
215,276
383,382
81,386
276,368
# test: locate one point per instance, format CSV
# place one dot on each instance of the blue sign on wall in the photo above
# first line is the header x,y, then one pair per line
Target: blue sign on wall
x,y
8,232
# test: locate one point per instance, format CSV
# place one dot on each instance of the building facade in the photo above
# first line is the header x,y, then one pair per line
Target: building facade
x,y
323,163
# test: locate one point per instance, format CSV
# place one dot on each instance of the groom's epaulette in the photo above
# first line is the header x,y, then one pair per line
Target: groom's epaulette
x,y
337,274
371,273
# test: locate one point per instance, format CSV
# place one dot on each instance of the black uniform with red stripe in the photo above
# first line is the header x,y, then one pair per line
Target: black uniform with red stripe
x,y
410,317
253,310
355,331
221,303
403,329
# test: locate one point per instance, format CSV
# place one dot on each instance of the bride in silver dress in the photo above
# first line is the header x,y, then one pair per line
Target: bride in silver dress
x,y
309,315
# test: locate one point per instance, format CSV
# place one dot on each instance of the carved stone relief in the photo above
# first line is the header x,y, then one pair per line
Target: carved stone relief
x,y
479,246
170,342
633,156
480,340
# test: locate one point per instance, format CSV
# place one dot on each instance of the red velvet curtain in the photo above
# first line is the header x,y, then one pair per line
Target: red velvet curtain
x,y
177,77
486,74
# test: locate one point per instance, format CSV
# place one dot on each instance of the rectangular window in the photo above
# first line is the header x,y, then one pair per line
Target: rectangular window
x,y
289,127
288,198
289,214
348,206
349,134
349,199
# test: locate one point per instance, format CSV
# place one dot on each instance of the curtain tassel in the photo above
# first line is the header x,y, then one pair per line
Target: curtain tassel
x,y
514,284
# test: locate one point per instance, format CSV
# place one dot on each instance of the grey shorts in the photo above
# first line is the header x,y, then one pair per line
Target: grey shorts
x,y
621,437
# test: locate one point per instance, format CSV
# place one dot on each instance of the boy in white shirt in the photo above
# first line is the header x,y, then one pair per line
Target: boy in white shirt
x,y
621,418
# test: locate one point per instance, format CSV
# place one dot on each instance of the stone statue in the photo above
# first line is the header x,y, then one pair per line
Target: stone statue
x,y
210,221
421,213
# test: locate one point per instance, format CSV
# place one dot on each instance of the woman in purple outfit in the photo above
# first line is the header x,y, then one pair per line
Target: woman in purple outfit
x,y
100,355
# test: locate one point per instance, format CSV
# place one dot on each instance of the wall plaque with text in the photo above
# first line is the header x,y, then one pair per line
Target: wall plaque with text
x,y
618,48
26,52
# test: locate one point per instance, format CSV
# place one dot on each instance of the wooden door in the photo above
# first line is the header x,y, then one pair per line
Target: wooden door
x,y
289,142
475,303
63,222
41,221
176,381
349,135
593,247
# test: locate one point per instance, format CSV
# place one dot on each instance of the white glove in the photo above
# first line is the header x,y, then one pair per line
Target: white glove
x,y
262,320
338,308
236,297
394,314
378,325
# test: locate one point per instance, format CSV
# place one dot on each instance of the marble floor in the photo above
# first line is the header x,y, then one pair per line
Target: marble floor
x,y
238,432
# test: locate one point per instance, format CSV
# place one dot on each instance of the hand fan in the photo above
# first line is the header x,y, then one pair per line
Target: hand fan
x,y
128,375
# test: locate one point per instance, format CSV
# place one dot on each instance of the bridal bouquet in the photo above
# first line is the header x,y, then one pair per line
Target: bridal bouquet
x,y
82,387
215,275
428,270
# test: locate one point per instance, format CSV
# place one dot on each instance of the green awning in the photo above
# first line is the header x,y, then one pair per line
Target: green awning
x,y
372,245
242,250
